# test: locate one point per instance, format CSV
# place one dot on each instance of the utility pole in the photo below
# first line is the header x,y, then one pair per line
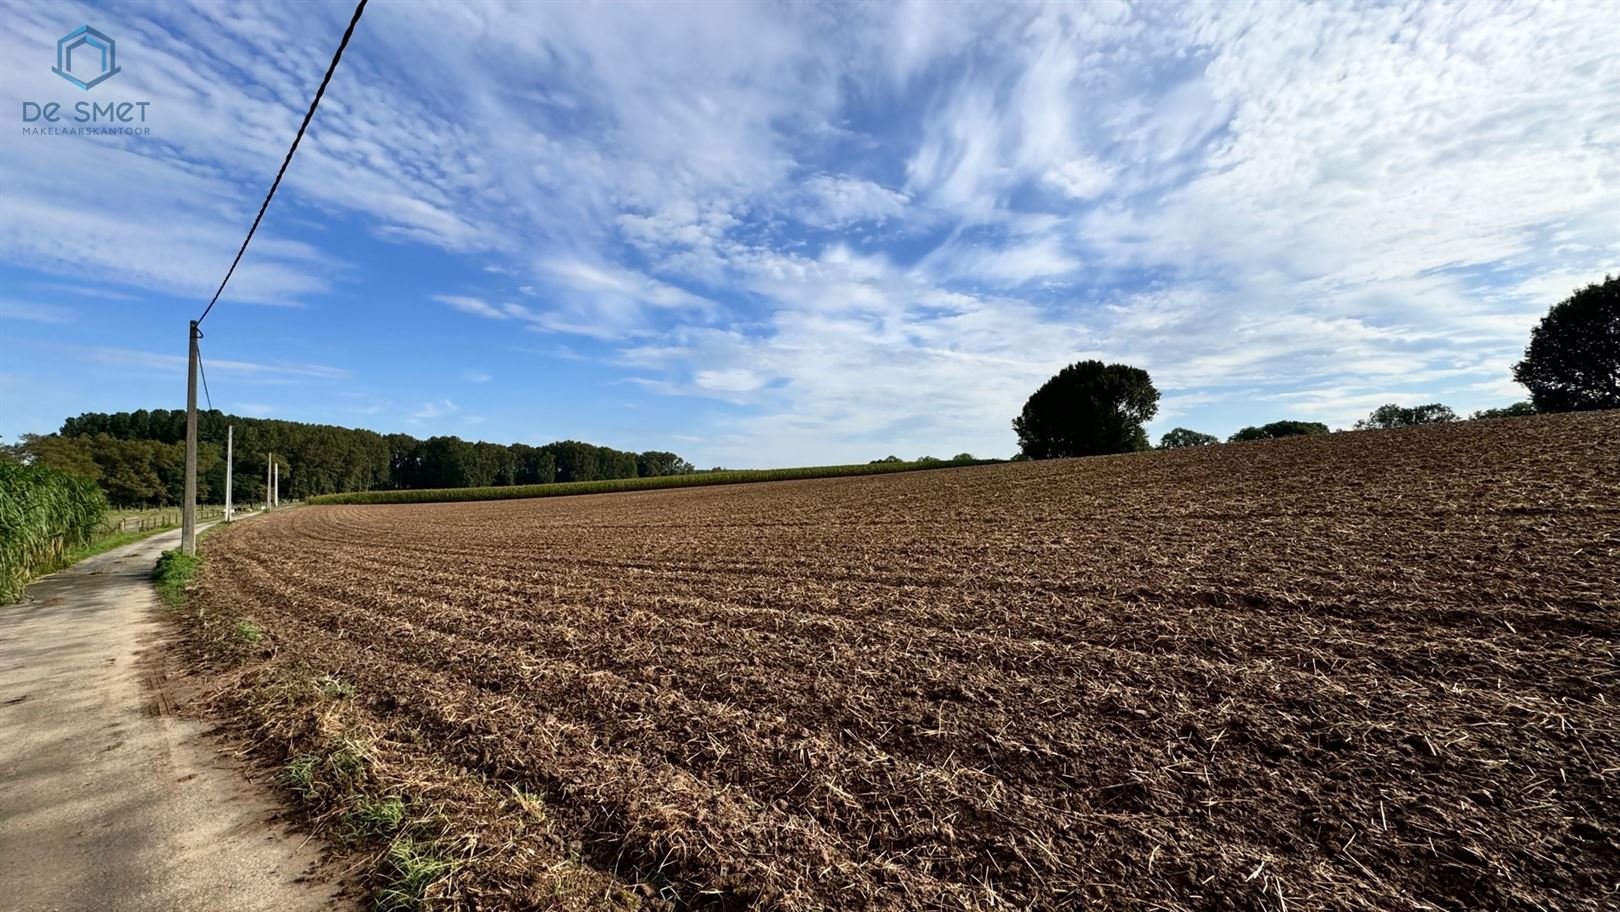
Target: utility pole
x,y
188,506
276,470
269,470
230,432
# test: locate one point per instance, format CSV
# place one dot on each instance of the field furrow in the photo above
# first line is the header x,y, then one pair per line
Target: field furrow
x,y
1365,671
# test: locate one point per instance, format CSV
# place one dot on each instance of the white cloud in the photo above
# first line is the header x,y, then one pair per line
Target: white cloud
x,y
838,201
1363,198
1081,178
34,311
433,408
476,376
475,306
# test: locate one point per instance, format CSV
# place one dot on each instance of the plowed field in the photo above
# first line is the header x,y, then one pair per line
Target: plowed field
x,y
1365,671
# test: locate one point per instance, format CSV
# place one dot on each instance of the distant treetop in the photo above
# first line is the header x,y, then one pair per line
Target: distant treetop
x,y
1389,416
1516,410
1180,438
1280,429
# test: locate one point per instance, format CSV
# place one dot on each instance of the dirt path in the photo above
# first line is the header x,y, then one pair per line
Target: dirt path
x,y
107,800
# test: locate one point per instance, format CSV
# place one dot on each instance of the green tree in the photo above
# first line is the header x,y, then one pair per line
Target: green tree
x,y
1181,438
1516,410
1087,409
1573,360
1390,416
139,457
72,455
1280,429
658,462
962,457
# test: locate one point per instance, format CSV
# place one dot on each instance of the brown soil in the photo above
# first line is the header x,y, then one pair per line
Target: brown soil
x,y
1365,671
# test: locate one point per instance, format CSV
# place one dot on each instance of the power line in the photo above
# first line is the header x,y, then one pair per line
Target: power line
x,y
288,160
204,374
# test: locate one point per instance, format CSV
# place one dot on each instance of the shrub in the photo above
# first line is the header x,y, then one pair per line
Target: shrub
x,y
44,514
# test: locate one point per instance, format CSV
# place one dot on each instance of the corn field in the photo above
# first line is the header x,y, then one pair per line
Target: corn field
x,y
612,485
43,515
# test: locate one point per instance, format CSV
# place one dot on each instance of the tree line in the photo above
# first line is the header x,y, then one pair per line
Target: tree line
x,y
138,458
1090,408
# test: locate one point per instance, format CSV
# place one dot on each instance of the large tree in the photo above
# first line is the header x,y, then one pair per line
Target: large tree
x,y
1573,361
1087,409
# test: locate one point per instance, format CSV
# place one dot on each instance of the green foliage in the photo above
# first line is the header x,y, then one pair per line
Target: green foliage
x,y
607,486
1573,361
370,816
334,776
962,457
1386,417
173,573
412,867
1088,409
656,463
1516,410
1280,429
299,776
249,632
44,515
1180,438
886,460
139,458
130,472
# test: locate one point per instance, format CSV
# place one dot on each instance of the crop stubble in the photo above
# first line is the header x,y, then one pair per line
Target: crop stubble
x,y
1365,671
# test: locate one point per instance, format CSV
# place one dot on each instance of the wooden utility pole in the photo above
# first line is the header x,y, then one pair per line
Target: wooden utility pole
x,y
269,470
188,506
229,433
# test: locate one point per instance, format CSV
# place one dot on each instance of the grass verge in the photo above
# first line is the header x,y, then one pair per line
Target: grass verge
x,y
329,767
173,573
617,485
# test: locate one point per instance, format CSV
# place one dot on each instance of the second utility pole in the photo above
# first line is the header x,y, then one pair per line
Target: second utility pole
x,y
188,506
230,432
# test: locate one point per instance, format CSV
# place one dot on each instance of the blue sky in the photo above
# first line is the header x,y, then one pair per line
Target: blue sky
x,y
762,234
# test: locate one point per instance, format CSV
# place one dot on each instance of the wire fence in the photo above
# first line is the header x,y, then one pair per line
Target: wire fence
x,y
149,520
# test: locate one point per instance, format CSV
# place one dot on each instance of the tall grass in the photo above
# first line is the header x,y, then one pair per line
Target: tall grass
x,y
44,514
611,485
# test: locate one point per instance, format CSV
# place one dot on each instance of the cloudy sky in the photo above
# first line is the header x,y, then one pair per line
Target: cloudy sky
x,y
762,234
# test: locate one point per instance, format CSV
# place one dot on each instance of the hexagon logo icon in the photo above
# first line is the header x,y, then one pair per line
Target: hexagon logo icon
x,y
87,71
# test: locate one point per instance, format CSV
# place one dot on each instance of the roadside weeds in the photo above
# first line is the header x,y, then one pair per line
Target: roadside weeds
x,y
330,770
